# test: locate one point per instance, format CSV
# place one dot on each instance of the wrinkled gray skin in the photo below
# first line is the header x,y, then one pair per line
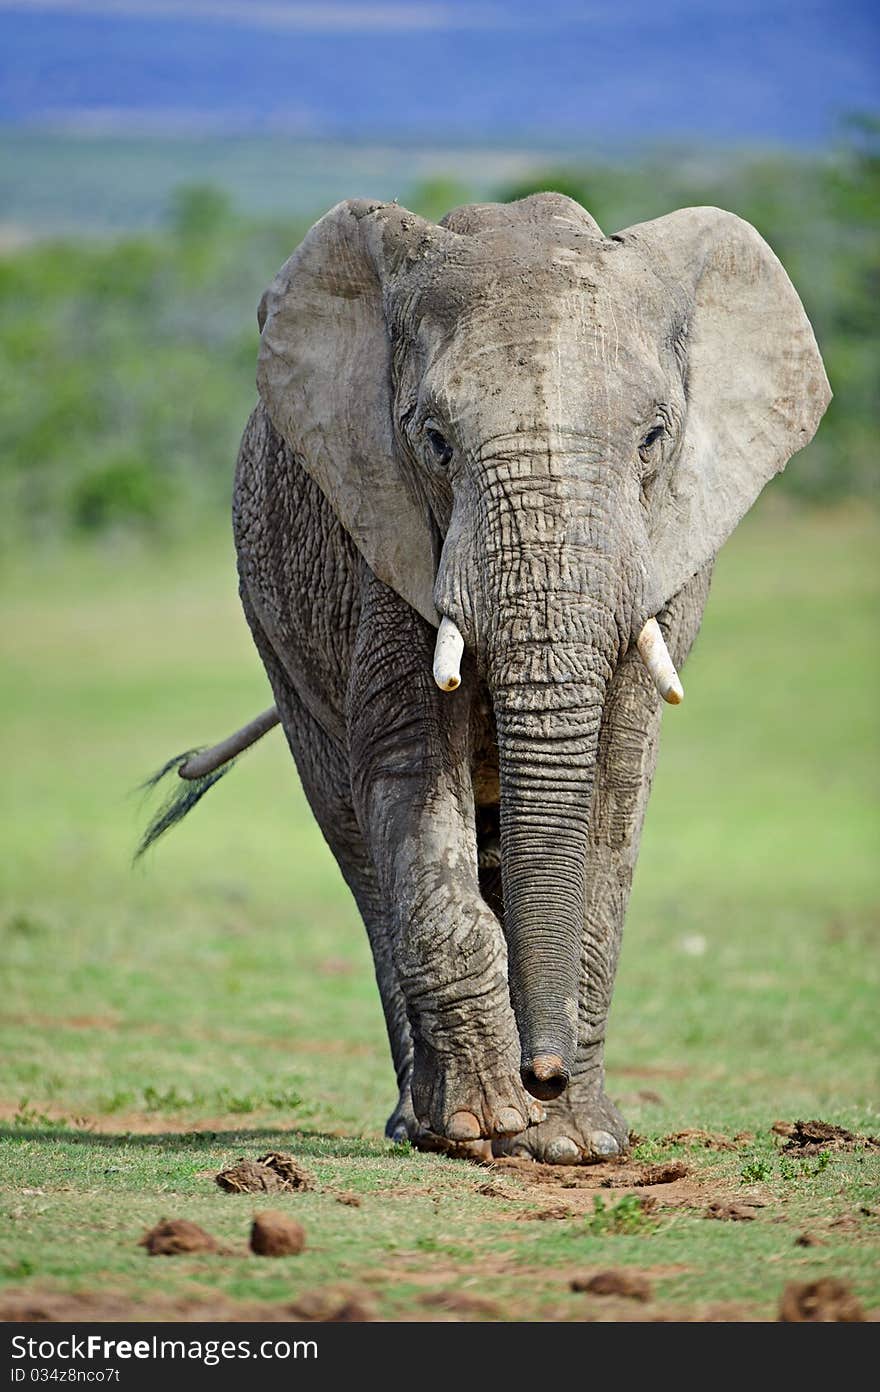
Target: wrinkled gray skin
x,y
545,434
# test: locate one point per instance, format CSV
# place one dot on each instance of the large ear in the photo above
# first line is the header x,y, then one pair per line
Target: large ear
x,y
324,372
755,384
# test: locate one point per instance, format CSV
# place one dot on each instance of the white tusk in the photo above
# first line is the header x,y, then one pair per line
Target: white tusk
x,y
447,656
655,655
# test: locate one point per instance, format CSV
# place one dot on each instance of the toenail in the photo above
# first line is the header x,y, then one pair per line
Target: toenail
x,y
603,1143
463,1126
508,1122
562,1150
537,1114
399,1134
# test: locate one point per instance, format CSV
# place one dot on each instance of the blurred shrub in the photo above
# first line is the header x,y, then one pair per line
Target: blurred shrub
x,y
122,491
128,367
129,370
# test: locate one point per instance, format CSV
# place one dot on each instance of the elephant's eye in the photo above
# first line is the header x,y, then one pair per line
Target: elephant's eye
x,y
650,440
438,446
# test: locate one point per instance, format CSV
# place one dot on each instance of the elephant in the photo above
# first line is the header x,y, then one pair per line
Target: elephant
x,y
476,512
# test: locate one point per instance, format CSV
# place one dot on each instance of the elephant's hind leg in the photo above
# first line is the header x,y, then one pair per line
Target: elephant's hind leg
x,y
323,768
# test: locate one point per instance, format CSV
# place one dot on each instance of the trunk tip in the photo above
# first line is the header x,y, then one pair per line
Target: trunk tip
x,y
545,1077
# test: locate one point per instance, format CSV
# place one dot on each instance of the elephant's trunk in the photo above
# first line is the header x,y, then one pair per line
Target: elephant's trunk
x,y
556,573
548,725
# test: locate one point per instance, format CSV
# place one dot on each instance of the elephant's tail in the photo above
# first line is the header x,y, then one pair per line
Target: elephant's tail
x,y
199,769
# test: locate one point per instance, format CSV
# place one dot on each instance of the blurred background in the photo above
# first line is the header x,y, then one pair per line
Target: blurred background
x,y
162,157
159,161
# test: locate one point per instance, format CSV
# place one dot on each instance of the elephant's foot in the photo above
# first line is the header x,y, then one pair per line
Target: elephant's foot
x,y
582,1127
457,1102
402,1125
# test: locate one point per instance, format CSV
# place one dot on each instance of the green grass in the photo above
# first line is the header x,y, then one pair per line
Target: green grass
x,y
218,1000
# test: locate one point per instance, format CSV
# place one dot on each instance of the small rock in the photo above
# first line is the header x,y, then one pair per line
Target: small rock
x,y
631,1284
175,1237
820,1302
273,1234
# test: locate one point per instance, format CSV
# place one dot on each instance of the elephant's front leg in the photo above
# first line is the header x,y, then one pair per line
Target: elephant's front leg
x,y
584,1124
410,761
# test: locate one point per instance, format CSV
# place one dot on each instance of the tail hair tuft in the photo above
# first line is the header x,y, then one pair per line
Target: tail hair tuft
x,y
182,796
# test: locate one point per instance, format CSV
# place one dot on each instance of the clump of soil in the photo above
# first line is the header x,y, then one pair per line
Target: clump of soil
x,y
732,1212
665,1173
631,1284
267,1175
273,1234
333,1307
807,1239
350,1200
803,1138
175,1237
493,1191
820,1302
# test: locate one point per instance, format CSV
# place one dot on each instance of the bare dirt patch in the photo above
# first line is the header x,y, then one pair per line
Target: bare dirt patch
x,y
708,1140
72,1307
332,1306
670,1184
128,1123
546,1215
272,1172
177,1237
804,1138
494,1191
459,1305
820,1302
275,1234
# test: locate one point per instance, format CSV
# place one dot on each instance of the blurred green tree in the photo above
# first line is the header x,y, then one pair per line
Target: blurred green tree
x,y
128,366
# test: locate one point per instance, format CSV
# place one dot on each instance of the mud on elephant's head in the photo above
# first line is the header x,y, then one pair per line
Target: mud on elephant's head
x,y
539,433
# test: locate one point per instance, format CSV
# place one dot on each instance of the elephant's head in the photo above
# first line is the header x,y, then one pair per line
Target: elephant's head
x,y
539,433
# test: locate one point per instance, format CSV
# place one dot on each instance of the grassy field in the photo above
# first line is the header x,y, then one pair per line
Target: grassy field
x,y
159,1023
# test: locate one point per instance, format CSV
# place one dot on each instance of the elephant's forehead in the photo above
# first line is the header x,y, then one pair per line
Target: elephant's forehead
x,y
525,289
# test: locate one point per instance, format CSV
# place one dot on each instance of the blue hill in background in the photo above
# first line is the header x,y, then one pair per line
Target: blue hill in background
x,y
733,72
